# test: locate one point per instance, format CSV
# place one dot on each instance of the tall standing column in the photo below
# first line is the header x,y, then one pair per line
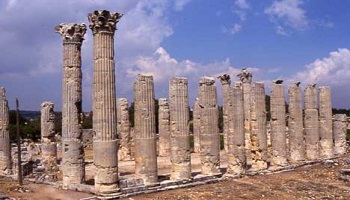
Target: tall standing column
x,y
179,129
258,127
196,125
325,119
339,133
72,144
5,146
235,138
278,125
295,124
311,126
48,141
225,82
123,128
164,127
106,143
145,130
209,130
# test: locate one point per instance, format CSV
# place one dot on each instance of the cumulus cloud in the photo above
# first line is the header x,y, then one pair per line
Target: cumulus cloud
x,y
242,4
239,9
233,30
179,4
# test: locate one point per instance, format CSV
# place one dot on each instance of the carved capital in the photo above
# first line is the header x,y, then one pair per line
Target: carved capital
x,y
206,81
245,76
71,32
225,79
103,21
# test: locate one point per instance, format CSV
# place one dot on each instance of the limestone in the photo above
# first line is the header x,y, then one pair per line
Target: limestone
x,y
339,134
48,141
325,119
72,145
258,127
179,129
278,125
311,127
196,125
164,127
123,129
209,130
5,146
145,130
295,124
225,82
235,137
106,142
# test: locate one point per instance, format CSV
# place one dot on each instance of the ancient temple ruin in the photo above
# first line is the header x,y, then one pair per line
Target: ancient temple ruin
x,y
5,146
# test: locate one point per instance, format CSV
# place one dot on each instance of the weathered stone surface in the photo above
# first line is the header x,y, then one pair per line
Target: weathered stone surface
x,y
295,125
339,134
278,125
145,130
123,128
311,126
5,146
179,129
325,120
73,156
225,81
209,130
235,136
103,25
247,105
258,136
196,125
164,127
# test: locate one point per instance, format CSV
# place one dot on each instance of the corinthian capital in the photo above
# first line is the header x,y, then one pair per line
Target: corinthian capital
x,y
225,79
71,32
103,21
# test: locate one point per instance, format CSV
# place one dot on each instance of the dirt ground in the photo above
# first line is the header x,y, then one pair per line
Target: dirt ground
x,y
319,181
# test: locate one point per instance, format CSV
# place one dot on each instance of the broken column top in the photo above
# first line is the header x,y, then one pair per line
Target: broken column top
x,y
47,104
144,77
245,76
179,80
2,93
71,32
225,79
206,80
103,21
278,81
162,102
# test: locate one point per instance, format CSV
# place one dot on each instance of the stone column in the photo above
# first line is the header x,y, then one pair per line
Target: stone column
x,y
5,145
295,124
164,127
123,129
339,134
196,125
325,119
209,130
145,130
235,138
311,126
278,125
106,143
179,129
225,82
72,144
48,141
258,136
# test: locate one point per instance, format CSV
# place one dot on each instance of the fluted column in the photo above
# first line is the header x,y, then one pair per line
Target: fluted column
x,y
196,125
164,127
339,133
225,81
179,129
295,124
311,126
5,146
247,104
145,130
325,119
123,128
209,130
106,143
72,145
278,125
48,141
235,137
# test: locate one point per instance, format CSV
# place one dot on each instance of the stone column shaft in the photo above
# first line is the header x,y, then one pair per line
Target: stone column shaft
x,y
106,142
278,126
145,130
311,126
72,145
164,127
247,118
123,128
325,119
196,126
339,134
5,146
295,124
225,82
209,130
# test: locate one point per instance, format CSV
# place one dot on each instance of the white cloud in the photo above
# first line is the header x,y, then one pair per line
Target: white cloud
x,y
242,4
233,30
281,31
179,4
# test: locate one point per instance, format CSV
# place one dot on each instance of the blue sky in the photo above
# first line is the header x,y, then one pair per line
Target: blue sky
x,y
293,40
